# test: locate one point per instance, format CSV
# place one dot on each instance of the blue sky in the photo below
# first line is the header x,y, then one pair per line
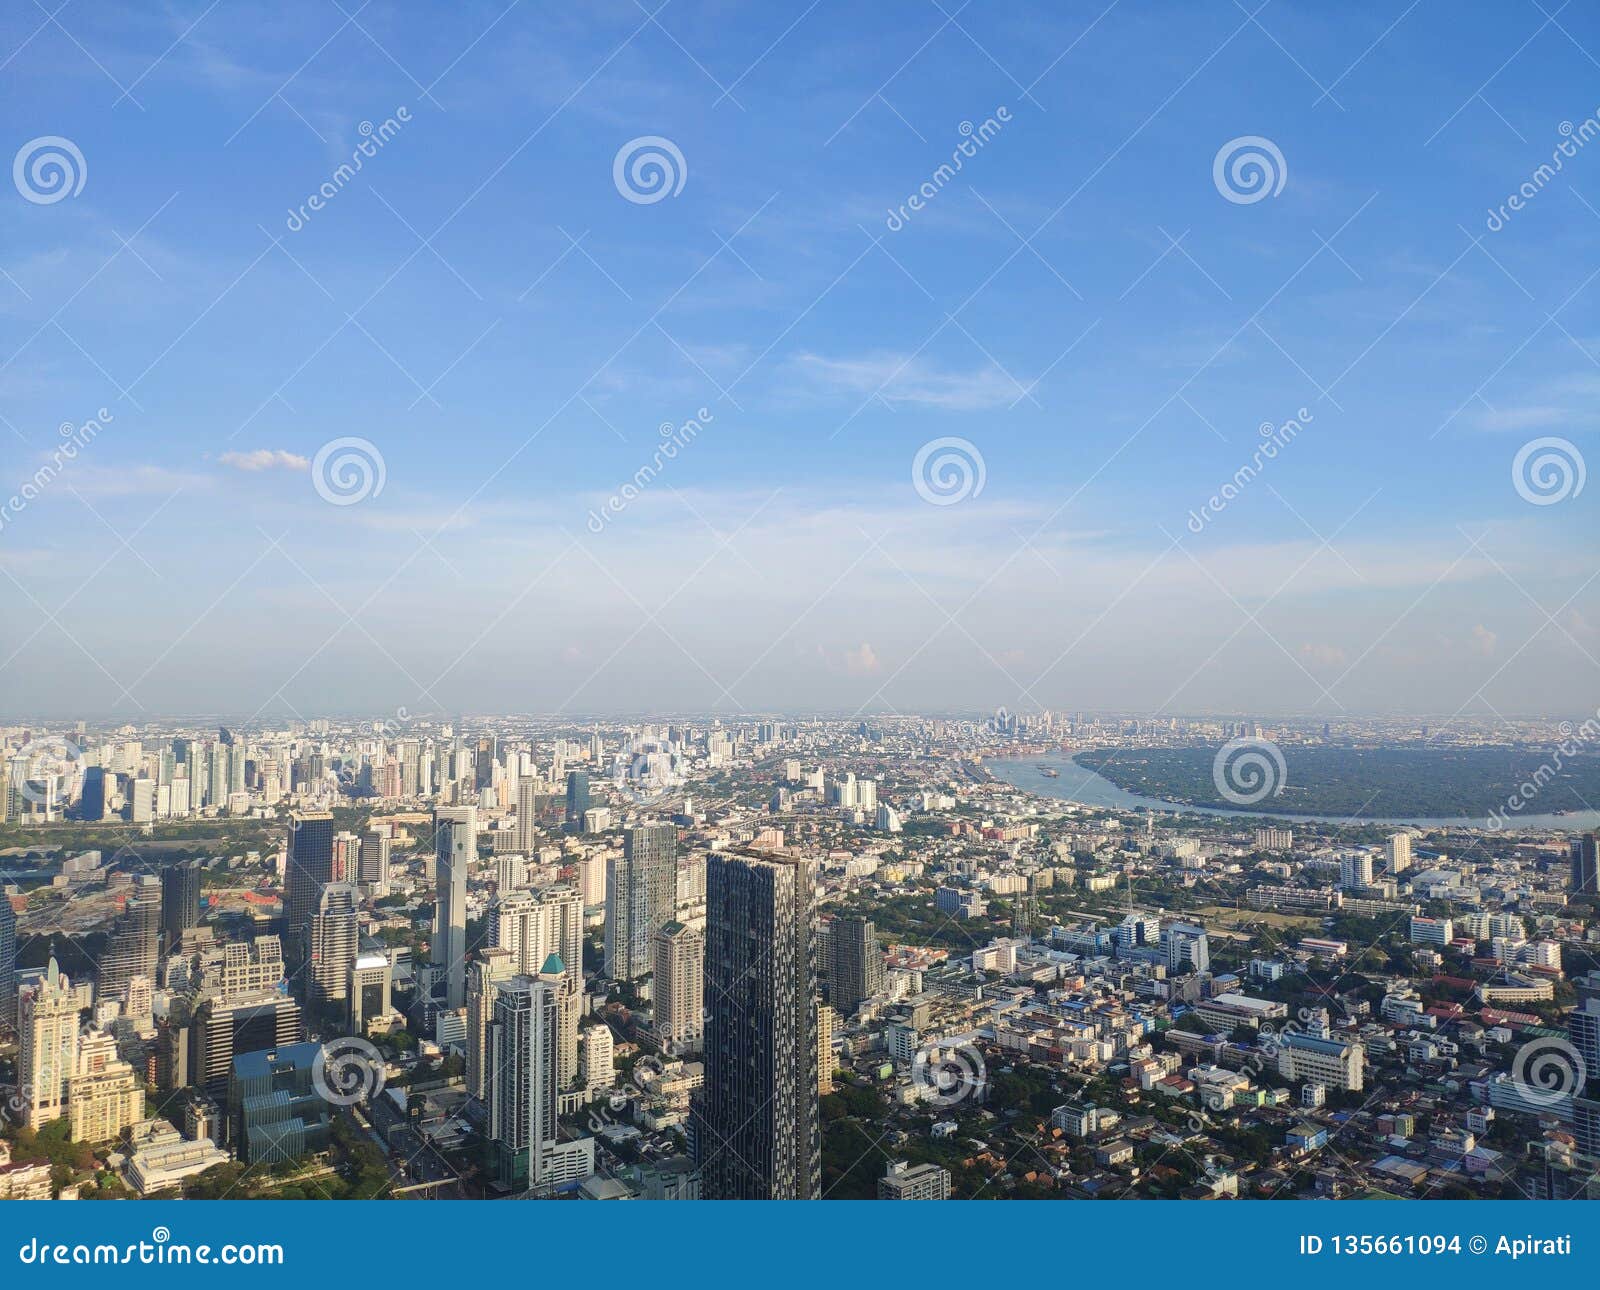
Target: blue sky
x,y
1081,303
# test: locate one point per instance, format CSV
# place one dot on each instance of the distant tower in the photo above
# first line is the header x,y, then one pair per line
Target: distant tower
x,y
577,799
1585,869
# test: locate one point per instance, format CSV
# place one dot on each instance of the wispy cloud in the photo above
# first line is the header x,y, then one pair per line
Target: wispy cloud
x,y
265,459
901,378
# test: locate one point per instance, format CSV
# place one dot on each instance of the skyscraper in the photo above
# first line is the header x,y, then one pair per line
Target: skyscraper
x,y
527,814
48,1013
246,1023
134,948
641,896
1585,867
857,969
577,799
180,902
455,848
488,969
756,1129
308,869
8,966
678,988
335,938
525,1040
1399,853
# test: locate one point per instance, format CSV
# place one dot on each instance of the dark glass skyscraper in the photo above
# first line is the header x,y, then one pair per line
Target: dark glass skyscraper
x,y
307,870
857,969
756,1130
577,798
8,966
180,902
1585,868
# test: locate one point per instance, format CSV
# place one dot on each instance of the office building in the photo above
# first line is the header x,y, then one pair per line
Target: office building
x,y
275,1112
372,863
371,985
308,868
641,897
1585,867
577,799
134,947
180,902
335,938
1321,1060
756,1130
455,849
8,966
223,1028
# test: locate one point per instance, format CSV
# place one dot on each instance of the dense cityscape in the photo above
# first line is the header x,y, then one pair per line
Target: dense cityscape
x,y
842,958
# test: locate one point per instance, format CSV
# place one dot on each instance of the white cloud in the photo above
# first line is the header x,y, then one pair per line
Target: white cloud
x,y
901,378
264,459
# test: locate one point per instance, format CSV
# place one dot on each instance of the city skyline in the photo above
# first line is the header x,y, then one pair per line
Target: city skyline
x,y
1102,250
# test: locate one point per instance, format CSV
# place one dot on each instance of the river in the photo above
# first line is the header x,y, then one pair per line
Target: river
x,y
1089,788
